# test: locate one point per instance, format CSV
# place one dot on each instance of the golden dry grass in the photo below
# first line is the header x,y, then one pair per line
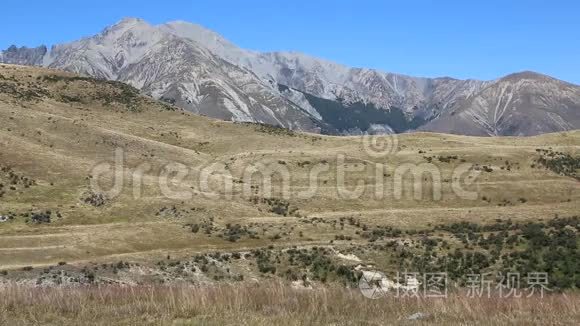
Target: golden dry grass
x,y
58,143
269,303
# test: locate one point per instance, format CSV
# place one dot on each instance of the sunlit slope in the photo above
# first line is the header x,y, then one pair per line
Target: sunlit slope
x,y
55,128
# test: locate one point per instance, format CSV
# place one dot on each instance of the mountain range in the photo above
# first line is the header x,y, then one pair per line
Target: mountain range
x,y
198,70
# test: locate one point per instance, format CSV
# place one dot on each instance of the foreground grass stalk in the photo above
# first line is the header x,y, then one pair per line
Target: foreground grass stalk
x,y
266,304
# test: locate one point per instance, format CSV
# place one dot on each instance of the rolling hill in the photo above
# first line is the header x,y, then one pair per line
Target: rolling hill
x,y
59,132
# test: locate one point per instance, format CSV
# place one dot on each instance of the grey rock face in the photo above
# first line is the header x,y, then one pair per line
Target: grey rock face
x,y
200,71
180,71
521,104
23,55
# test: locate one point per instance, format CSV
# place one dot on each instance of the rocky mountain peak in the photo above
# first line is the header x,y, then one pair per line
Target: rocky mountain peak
x,y
23,55
193,67
128,22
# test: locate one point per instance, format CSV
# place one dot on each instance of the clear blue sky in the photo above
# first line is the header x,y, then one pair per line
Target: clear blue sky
x,y
481,39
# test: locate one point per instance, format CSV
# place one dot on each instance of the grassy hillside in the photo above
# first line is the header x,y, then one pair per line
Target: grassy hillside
x,y
56,127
